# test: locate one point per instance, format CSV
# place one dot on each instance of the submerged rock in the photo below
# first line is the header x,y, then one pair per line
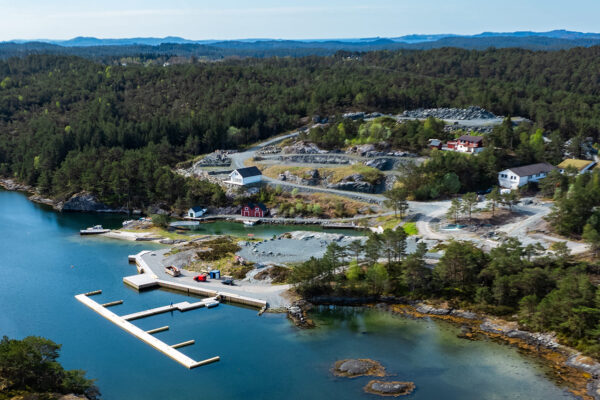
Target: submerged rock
x,y
393,388
353,368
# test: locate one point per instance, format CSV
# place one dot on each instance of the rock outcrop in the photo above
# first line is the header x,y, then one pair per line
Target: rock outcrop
x,y
353,368
354,183
84,201
393,388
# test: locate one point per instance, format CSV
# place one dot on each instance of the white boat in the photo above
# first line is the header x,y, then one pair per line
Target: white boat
x,y
249,223
93,230
172,270
127,222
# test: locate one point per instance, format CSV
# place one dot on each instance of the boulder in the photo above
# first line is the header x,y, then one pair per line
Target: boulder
x,y
84,201
394,388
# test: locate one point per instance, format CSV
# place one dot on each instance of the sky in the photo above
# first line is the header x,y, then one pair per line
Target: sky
x,y
287,19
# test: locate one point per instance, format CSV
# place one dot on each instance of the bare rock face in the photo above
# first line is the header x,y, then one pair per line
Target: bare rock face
x,y
394,388
353,368
84,201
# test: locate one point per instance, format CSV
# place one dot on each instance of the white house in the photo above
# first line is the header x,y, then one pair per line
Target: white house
x,y
514,178
196,212
245,176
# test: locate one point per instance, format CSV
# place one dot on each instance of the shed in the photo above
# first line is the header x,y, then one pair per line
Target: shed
x,y
196,212
215,274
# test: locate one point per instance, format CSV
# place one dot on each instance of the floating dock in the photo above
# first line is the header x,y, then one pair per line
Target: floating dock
x,y
146,337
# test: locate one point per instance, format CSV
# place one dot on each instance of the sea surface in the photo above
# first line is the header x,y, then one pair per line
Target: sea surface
x,y
44,263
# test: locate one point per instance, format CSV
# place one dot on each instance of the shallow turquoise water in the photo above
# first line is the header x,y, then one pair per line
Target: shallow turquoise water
x,y
44,263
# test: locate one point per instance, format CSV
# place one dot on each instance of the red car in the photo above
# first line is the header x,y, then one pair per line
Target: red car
x,y
200,278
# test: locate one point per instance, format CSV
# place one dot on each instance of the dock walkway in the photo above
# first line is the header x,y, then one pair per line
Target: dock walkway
x,y
144,336
183,307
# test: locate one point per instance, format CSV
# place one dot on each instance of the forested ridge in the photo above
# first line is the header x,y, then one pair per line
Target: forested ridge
x,y
68,124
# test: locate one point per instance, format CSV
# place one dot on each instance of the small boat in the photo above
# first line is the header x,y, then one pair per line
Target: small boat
x,y
129,221
172,270
93,230
249,223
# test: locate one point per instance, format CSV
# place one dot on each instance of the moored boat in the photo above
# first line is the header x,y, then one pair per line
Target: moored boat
x,y
172,270
93,230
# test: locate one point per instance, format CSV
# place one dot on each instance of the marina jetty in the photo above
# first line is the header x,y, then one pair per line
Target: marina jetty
x,y
147,278
146,336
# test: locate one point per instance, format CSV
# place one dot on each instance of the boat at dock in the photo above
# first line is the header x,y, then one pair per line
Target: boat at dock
x,y
248,222
172,270
93,230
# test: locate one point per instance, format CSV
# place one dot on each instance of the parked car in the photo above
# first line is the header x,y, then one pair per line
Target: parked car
x,y
200,278
228,282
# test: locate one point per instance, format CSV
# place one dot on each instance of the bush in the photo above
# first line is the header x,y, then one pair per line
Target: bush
x,y
160,220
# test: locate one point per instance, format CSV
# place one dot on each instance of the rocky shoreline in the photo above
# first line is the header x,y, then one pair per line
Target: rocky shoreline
x,y
79,202
579,372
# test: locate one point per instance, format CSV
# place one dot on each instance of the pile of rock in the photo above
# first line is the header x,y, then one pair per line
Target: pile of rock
x,y
472,112
219,158
302,147
269,150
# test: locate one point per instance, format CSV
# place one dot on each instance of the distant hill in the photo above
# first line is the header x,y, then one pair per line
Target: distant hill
x,y
172,46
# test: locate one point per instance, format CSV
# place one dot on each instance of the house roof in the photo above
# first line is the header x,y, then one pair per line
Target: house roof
x,y
573,163
248,172
197,208
471,139
434,142
259,205
533,169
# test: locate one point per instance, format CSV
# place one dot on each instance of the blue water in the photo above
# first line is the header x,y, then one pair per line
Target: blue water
x,y
44,263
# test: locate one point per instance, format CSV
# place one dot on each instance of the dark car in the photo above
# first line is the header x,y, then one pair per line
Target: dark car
x,y
228,282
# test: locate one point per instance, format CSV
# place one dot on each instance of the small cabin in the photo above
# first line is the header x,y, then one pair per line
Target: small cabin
x,y
254,210
196,212
245,176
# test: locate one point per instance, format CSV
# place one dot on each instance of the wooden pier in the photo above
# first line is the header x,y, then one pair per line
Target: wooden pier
x,y
144,336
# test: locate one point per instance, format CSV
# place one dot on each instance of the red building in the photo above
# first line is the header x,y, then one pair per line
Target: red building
x,y
466,144
254,210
